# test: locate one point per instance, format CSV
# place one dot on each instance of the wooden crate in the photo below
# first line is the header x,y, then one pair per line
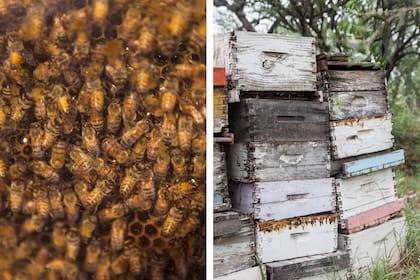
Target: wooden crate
x,y
268,162
372,217
266,62
235,251
253,273
226,223
355,80
221,201
359,194
220,109
284,199
273,120
361,136
366,247
296,237
325,266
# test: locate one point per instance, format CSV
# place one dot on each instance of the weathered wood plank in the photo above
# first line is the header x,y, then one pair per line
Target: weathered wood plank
x,y
357,104
373,217
374,163
294,238
356,80
273,120
220,109
359,194
324,266
252,273
221,199
267,162
234,252
361,136
366,247
226,223
284,199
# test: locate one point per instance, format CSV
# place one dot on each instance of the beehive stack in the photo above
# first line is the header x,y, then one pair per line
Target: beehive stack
x,y
279,164
370,222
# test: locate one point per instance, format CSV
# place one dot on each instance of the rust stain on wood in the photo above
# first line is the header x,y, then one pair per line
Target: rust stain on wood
x,y
296,222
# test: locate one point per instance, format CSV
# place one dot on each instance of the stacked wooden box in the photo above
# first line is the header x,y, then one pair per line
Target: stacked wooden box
x,y
370,222
279,166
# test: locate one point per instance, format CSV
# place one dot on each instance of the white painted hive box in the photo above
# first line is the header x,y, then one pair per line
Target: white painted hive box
x,y
359,194
297,237
284,199
366,247
354,137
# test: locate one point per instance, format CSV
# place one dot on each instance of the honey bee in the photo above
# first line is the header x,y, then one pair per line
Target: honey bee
x,y
81,46
146,38
97,99
103,268
162,203
178,163
82,162
113,148
173,220
198,200
116,211
168,128
155,145
90,140
114,116
42,203
131,135
185,70
105,170
52,112
102,189
191,223
29,206
93,250
63,99
137,202
8,235
32,27
33,224
40,110
3,168
83,99
139,149
72,206
119,264
69,119
42,72
169,96
82,190
118,229
58,154
147,185
72,80
4,112
198,167
57,33
199,144
188,108
15,48
96,119
117,73
41,168
52,131
129,108
87,227
134,261
59,236
152,104
19,108
129,25
36,134
146,78
66,269
132,176
185,127
56,202
161,165
25,249
179,20
100,10
72,244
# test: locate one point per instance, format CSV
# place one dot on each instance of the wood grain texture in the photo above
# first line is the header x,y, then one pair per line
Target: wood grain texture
x,y
357,104
271,120
359,194
316,237
368,246
226,223
252,273
234,252
356,80
221,200
220,109
361,136
284,199
267,162
324,266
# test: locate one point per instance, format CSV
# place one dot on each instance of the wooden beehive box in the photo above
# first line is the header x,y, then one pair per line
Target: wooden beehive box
x,y
220,100
354,137
319,267
266,62
221,199
359,194
273,120
284,199
253,273
226,223
367,247
268,162
235,251
296,237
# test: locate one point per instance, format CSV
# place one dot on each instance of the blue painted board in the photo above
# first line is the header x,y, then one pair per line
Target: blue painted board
x,y
371,164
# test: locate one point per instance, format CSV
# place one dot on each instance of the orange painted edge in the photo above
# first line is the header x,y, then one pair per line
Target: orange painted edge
x,y
219,76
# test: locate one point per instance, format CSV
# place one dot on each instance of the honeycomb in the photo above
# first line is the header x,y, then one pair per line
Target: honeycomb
x,y
102,139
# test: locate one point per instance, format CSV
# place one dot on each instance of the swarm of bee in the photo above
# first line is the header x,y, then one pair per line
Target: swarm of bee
x,y
102,139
